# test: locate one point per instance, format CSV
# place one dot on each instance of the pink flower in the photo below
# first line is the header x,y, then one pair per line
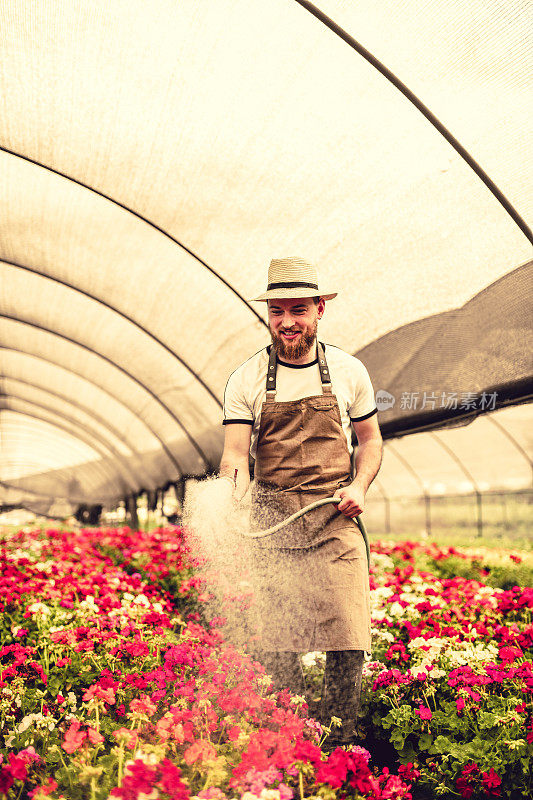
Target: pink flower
x,y
408,772
94,737
98,691
47,788
460,703
200,750
17,766
424,713
74,738
143,706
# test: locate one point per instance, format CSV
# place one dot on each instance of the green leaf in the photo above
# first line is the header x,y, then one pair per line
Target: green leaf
x,y
425,741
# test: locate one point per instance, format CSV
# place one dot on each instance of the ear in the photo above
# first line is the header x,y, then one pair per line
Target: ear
x,y
321,307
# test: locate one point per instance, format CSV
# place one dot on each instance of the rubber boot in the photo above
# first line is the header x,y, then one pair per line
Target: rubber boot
x,y
341,695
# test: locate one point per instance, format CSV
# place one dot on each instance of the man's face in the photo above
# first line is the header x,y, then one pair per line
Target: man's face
x,y
293,325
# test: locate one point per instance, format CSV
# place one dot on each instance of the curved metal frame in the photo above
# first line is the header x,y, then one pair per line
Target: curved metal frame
x,y
512,439
15,488
120,459
398,84
140,217
468,475
125,372
116,399
75,404
106,473
98,449
416,476
115,310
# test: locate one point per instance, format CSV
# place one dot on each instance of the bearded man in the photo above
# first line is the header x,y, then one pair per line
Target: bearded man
x,y
293,406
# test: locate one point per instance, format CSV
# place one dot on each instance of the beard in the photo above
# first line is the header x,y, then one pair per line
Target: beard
x,y
292,351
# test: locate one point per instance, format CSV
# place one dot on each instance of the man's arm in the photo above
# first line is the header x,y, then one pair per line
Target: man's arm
x,y
236,457
367,462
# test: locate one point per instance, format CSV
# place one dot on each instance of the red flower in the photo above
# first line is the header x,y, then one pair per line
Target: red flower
x,y
424,713
6,780
334,770
465,783
510,654
17,766
170,781
492,782
408,772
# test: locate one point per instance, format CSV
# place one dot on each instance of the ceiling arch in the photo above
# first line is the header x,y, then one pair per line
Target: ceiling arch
x,y
103,445
136,380
425,111
104,453
87,410
139,216
128,318
117,399
95,474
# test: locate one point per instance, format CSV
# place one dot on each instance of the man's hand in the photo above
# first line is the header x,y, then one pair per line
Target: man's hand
x,y
353,499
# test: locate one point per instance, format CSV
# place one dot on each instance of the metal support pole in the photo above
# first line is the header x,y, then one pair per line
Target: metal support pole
x,y
479,513
387,514
427,501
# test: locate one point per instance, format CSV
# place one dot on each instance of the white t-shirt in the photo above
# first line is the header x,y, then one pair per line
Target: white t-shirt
x,y
350,382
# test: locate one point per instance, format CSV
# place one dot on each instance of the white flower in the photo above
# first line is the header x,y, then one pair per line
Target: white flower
x,y
142,600
396,609
147,758
39,608
437,673
311,659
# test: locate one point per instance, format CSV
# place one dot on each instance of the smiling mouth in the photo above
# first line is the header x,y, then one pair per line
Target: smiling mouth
x,y
290,334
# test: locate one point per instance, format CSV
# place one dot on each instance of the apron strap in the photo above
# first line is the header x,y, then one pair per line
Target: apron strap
x,y
273,368
324,369
271,375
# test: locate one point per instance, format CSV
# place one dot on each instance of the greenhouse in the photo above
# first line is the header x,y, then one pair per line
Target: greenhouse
x,y
154,159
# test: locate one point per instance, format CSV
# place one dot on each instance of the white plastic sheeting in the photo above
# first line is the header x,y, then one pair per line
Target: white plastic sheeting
x,y
154,157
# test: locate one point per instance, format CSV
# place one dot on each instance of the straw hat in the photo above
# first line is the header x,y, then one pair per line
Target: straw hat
x,y
293,277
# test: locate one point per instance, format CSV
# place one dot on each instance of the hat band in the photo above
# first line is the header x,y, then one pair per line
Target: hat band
x,y
292,285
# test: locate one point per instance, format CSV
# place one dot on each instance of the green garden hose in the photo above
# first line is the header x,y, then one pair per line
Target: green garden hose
x,y
305,510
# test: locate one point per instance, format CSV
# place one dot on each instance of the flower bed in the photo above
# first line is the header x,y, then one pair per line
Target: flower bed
x,y
110,686
451,683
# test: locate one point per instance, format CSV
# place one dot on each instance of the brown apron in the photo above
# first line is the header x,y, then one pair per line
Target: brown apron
x,y
311,578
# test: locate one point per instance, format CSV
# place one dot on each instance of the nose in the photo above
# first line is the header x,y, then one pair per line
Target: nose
x,y
287,320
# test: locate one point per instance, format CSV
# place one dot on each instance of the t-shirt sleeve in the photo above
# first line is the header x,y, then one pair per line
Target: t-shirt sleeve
x,y
364,404
236,407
